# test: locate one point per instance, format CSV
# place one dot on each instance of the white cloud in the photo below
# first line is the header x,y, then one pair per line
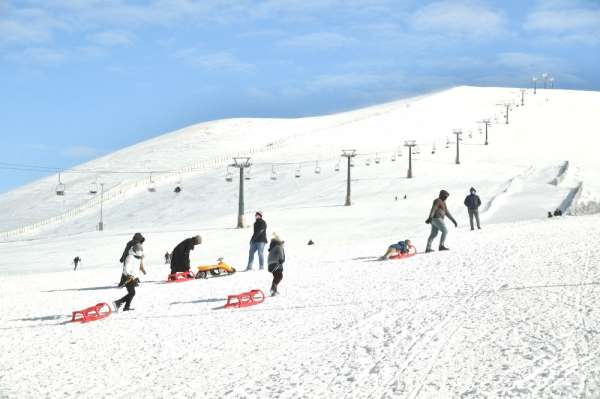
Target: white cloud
x,y
38,56
212,61
527,61
319,40
565,23
462,18
111,38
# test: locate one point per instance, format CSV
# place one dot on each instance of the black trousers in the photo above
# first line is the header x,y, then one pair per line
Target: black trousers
x,y
130,294
277,277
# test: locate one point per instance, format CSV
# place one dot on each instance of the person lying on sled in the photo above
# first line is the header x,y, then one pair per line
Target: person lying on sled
x,y
401,247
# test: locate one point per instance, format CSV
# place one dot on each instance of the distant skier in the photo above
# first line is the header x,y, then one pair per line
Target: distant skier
x,y
258,241
138,238
180,257
76,262
167,258
549,214
438,212
276,259
472,202
131,267
401,247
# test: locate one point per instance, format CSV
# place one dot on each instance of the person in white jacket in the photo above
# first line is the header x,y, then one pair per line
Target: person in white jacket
x,y
131,267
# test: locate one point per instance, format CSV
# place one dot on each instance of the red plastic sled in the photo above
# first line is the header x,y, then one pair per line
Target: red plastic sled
x,y
245,299
100,311
412,251
180,277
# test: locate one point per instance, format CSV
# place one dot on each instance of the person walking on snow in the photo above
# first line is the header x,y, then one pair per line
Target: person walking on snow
x,y
138,238
275,260
472,202
258,241
131,267
76,262
180,257
436,218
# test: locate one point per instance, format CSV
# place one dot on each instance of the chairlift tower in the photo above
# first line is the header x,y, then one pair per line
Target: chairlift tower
x,y
458,133
410,144
101,222
534,80
241,163
507,107
523,97
486,122
348,154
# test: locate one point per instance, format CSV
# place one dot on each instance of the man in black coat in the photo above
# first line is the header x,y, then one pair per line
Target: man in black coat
x,y
138,238
258,242
180,257
472,202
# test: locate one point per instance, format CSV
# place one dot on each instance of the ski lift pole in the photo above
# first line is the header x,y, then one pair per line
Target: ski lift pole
x,y
101,223
349,154
241,163
410,144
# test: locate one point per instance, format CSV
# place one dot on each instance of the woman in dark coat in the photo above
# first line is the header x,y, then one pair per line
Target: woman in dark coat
x,y
180,257
276,260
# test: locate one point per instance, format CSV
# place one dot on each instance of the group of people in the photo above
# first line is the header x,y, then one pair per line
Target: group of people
x,y
436,217
132,259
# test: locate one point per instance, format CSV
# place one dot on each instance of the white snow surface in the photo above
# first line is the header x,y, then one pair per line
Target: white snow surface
x,y
510,312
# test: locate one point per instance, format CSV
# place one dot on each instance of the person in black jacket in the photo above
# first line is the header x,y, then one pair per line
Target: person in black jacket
x,y
276,260
180,257
138,238
258,242
472,202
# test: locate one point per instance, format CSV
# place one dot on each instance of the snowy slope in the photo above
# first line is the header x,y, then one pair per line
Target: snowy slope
x,y
510,311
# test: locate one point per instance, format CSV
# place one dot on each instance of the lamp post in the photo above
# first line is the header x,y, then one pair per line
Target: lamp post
x,y
241,163
348,154
534,80
410,144
486,122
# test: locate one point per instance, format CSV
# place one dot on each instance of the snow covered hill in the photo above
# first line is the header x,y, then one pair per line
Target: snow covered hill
x,y
510,311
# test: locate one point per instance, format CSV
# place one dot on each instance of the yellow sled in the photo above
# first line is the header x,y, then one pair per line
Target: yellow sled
x,y
214,270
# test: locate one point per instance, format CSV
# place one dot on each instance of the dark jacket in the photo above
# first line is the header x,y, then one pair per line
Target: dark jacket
x,y
138,238
180,257
472,201
276,256
260,231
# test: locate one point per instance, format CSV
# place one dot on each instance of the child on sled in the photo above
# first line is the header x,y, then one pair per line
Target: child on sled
x,y
401,247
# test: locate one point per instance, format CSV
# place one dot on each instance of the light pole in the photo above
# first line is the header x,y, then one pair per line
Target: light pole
x,y
522,97
486,122
458,133
241,163
101,222
410,144
534,80
348,154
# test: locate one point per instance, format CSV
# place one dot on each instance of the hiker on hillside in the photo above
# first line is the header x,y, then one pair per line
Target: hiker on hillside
x,y
472,202
258,241
436,218
180,257
76,262
276,259
167,258
401,247
138,238
131,267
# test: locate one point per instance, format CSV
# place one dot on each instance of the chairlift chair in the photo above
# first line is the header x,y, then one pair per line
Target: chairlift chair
x,y
248,175
93,188
368,161
151,187
337,167
273,173
317,168
351,162
298,172
377,159
60,187
228,176
393,157
433,149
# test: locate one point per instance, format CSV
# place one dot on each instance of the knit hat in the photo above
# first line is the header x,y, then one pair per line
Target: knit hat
x,y
197,240
258,213
277,238
472,190
444,193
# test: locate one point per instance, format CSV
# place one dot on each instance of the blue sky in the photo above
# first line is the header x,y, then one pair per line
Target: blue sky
x,y
81,78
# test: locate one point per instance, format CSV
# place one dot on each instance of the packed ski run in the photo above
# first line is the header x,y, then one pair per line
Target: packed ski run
x,y
357,304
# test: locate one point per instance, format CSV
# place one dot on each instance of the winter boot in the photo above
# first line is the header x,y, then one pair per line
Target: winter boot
x,y
127,309
428,250
117,305
443,248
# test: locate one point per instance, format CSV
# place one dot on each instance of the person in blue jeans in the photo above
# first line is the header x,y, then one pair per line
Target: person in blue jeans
x,y
438,212
258,241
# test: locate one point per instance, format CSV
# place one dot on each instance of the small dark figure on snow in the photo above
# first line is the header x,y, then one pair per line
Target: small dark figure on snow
x,y
131,267
180,257
276,260
258,242
311,242
138,238
557,212
405,196
76,261
436,218
472,202
167,258
549,214
177,190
